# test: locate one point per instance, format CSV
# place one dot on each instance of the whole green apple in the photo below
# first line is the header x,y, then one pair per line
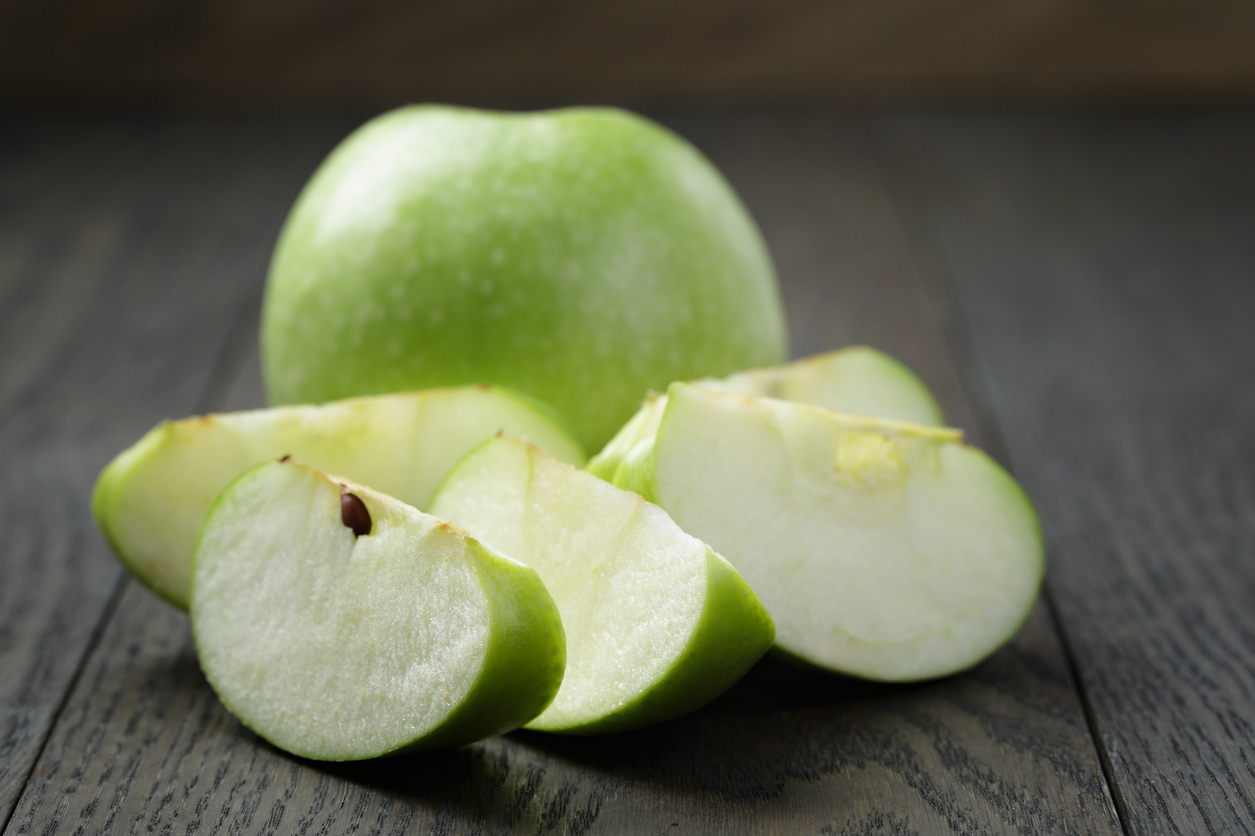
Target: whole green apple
x,y
582,256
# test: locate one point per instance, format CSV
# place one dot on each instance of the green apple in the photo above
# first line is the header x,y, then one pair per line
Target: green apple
x,y
340,623
657,624
857,380
583,256
883,550
151,499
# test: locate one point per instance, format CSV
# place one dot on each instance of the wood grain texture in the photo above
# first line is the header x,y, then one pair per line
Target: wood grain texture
x,y
143,744
126,253
1105,265
696,50
146,745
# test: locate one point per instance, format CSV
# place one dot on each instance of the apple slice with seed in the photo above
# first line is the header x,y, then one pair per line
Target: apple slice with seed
x,y
340,623
883,550
657,624
858,380
151,499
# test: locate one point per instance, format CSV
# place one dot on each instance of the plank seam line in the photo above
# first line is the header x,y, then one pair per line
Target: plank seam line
x,y
89,649
1091,717
957,333
225,363
977,390
992,431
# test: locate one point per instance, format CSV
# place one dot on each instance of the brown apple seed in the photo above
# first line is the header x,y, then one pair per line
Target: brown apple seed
x,y
354,515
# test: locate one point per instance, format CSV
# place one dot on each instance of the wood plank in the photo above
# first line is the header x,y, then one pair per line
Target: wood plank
x,y
1105,265
143,744
127,250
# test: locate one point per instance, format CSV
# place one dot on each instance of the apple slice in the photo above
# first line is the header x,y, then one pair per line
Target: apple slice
x,y
657,624
151,499
858,380
340,623
883,550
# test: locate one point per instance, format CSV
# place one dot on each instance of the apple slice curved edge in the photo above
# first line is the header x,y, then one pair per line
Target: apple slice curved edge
x,y
883,550
341,635
657,624
151,499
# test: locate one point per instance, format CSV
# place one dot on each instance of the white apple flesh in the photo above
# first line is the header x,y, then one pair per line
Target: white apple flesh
x,y
151,499
657,624
883,550
339,623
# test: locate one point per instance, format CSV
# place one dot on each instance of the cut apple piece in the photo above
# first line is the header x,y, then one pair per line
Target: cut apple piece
x,y
657,624
340,623
642,427
151,499
884,550
858,380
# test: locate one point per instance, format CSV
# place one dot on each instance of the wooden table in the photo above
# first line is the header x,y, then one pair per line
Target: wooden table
x,y
1078,288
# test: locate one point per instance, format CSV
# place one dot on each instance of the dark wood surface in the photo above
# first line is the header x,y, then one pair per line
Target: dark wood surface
x,y
1079,291
512,53
1107,269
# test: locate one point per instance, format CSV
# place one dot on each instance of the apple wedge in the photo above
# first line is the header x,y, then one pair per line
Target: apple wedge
x,y
657,624
340,623
151,499
883,550
857,380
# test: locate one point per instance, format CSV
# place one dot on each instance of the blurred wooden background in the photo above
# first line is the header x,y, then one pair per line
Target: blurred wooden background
x,y
380,52
1075,283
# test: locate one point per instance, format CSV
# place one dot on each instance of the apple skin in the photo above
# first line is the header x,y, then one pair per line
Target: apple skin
x,y
583,256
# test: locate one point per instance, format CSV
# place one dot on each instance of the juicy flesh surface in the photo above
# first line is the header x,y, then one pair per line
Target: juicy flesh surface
x,y
330,646
628,583
401,445
879,550
857,380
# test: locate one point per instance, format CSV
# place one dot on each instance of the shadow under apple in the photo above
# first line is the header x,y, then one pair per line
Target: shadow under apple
x,y
780,722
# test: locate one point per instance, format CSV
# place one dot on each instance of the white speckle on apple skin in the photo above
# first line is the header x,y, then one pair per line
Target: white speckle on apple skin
x,y
372,192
